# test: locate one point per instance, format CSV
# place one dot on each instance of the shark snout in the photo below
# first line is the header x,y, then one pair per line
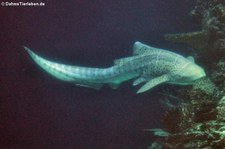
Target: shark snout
x,y
200,73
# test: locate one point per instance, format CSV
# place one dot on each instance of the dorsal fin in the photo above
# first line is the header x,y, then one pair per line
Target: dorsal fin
x,y
140,48
122,61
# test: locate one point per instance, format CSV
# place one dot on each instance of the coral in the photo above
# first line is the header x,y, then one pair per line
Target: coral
x,y
178,118
220,108
202,125
218,75
195,39
159,132
205,85
211,14
199,122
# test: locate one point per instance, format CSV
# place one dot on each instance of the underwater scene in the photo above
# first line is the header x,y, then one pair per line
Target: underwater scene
x,y
147,74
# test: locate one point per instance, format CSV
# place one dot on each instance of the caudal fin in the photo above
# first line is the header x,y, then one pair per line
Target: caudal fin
x,y
74,74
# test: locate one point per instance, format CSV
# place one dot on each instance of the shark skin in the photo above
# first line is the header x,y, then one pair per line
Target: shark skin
x,y
148,65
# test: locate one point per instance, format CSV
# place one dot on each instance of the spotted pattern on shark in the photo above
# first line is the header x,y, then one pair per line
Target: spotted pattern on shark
x,y
149,65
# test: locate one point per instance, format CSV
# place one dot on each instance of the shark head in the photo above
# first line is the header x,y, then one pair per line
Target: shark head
x,y
189,74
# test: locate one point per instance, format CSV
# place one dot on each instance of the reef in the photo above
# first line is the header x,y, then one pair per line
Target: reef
x,y
211,38
199,120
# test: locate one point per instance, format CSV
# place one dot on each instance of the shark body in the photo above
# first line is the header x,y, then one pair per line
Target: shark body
x,y
148,65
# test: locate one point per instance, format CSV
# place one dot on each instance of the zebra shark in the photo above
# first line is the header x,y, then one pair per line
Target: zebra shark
x,y
149,65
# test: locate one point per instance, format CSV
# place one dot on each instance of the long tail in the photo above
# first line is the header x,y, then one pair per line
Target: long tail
x,y
82,76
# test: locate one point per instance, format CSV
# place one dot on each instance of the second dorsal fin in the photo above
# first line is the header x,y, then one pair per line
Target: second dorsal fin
x,y
122,61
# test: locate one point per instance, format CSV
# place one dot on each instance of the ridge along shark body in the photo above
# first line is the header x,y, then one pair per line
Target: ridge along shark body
x,y
148,65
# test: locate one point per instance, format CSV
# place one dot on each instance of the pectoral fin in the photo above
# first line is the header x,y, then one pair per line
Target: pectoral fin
x,y
191,58
139,81
152,83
